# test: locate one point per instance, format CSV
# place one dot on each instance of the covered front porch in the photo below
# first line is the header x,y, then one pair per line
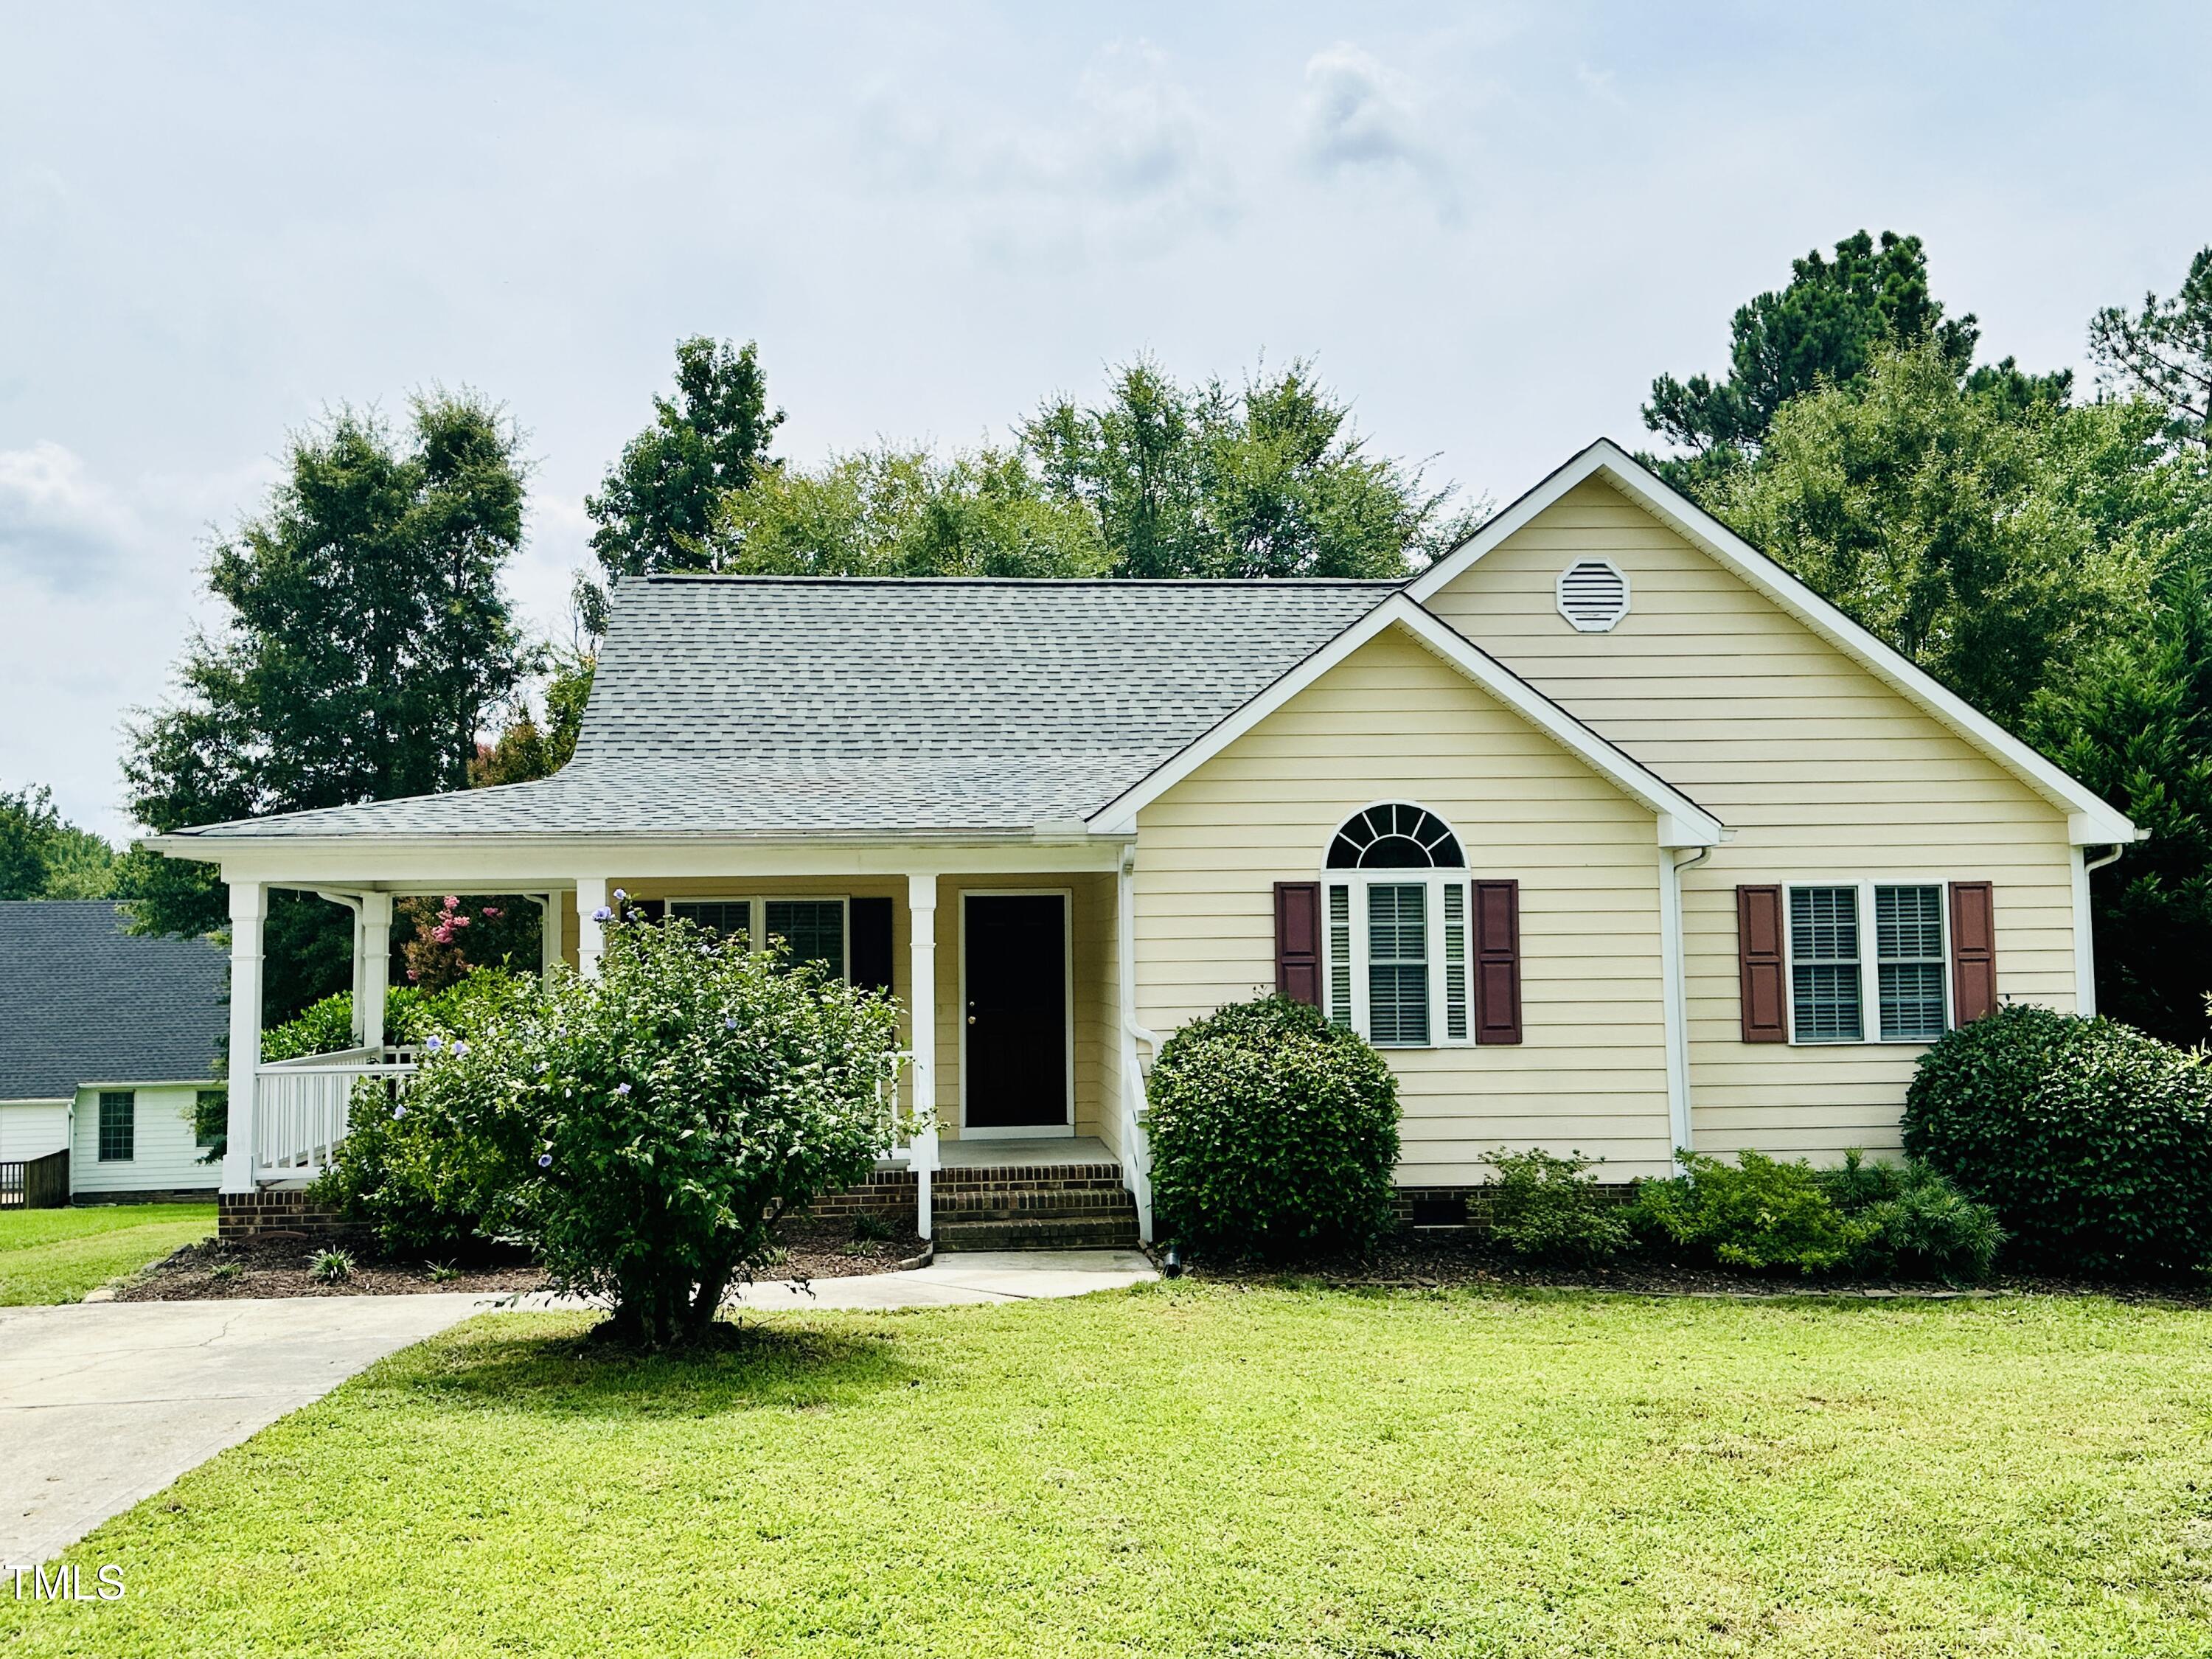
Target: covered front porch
x,y
1011,964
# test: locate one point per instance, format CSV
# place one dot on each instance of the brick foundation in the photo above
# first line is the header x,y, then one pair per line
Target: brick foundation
x,y
275,1211
891,1195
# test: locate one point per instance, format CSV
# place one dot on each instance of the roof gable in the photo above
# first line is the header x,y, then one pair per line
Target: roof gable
x,y
1681,821
2090,819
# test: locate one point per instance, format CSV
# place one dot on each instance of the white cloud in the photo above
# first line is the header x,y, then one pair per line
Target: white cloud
x,y
1361,118
1130,164
59,525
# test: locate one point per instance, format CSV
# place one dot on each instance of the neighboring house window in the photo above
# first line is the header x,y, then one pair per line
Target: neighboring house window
x,y
1869,945
1396,917
814,928
209,1107
118,1125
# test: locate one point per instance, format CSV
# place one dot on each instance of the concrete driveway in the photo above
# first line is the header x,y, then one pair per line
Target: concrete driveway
x,y
103,1404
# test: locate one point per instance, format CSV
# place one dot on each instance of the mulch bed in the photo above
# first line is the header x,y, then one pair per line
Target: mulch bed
x,y
218,1270
1445,1261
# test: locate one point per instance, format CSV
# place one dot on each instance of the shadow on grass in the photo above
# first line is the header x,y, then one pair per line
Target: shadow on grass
x,y
508,1362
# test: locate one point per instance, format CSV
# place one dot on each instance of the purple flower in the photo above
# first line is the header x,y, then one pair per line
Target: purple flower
x,y
621,1088
435,1043
460,1048
544,1160
398,1112
729,1021
620,895
602,914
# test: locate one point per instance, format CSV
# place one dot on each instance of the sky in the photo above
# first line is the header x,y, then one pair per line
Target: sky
x,y
1490,226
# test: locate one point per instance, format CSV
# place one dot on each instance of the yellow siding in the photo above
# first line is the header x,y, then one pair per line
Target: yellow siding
x,y
1823,772
1393,723
1097,996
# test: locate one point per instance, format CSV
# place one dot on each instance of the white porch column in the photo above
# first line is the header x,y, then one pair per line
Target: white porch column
x,y
249,909
372,974
922,1017
549,933
591,933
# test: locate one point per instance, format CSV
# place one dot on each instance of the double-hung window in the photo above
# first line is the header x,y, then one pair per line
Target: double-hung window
x,y
813,930
118,1125
1395,927
1868,961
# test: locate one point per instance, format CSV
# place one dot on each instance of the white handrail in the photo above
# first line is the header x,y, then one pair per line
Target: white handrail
x,y
302,1107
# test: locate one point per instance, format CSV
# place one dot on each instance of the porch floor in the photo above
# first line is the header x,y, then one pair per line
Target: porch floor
x,y
1025,1152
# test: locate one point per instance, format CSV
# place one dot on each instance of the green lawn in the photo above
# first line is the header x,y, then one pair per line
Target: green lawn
x,y
1201,1470
57,1255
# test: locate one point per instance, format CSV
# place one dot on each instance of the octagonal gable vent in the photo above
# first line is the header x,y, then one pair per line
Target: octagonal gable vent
x,y
1593,595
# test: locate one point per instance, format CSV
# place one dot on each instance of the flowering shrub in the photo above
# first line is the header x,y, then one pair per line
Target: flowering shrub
x,y
443,943
643,1130
1272,1133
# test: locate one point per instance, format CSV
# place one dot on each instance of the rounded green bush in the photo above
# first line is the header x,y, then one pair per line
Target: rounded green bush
x,y
1274,1133
2091,1141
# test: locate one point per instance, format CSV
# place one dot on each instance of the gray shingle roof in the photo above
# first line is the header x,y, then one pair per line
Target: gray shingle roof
x,y
81,1001
773,706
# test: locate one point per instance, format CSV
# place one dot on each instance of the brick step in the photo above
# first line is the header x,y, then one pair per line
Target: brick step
x,y
1103,1233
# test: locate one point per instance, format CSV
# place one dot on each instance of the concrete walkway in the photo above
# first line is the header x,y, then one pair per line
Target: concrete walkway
x,y
104,1404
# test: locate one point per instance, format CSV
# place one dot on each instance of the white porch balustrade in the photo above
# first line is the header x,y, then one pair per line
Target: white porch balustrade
x,y
303,1108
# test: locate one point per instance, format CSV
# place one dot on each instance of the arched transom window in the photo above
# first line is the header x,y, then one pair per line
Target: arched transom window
x,y
1395,835
1395,914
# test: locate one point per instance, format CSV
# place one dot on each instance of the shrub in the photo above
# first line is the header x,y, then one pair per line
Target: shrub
x,y
409,1015
643,1130
1273,1131
1547,1209
419,1185
330,1267
2092,1141
1758,1213
1919,1221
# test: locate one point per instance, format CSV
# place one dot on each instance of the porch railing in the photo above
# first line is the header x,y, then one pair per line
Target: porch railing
x,y
301,1108
35,1183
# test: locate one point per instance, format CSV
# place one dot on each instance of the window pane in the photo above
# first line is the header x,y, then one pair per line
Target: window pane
x,y
733,919
1397,965
118,1125
1824,948
815,928
1908,927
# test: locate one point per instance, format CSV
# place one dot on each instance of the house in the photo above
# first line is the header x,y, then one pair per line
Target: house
x,y
107,1043
1613,834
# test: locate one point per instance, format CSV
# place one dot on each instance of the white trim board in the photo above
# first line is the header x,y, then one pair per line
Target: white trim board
x,y
1683,822
2090,820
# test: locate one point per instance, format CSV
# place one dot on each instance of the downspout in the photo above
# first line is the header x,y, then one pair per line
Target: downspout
x,y
2084,930
1673,984
1136,1150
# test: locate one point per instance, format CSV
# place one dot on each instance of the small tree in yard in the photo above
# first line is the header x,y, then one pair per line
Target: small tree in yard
x,y
652,1123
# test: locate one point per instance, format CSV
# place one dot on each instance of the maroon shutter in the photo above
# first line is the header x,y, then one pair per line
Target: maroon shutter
x,y
1973,951
1498,961
1298,941
1758,963
869,921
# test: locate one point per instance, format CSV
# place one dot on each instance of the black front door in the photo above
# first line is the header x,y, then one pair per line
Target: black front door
x,y
1016,1012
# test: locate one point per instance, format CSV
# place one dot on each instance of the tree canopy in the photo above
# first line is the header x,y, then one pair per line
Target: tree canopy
x,y
1154,479
657,504
44,856
2164,351
1822,328
366,637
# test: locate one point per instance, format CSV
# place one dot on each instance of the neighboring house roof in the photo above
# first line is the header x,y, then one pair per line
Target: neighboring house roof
x,y
82,1001
1683,822
2091,821
778,707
